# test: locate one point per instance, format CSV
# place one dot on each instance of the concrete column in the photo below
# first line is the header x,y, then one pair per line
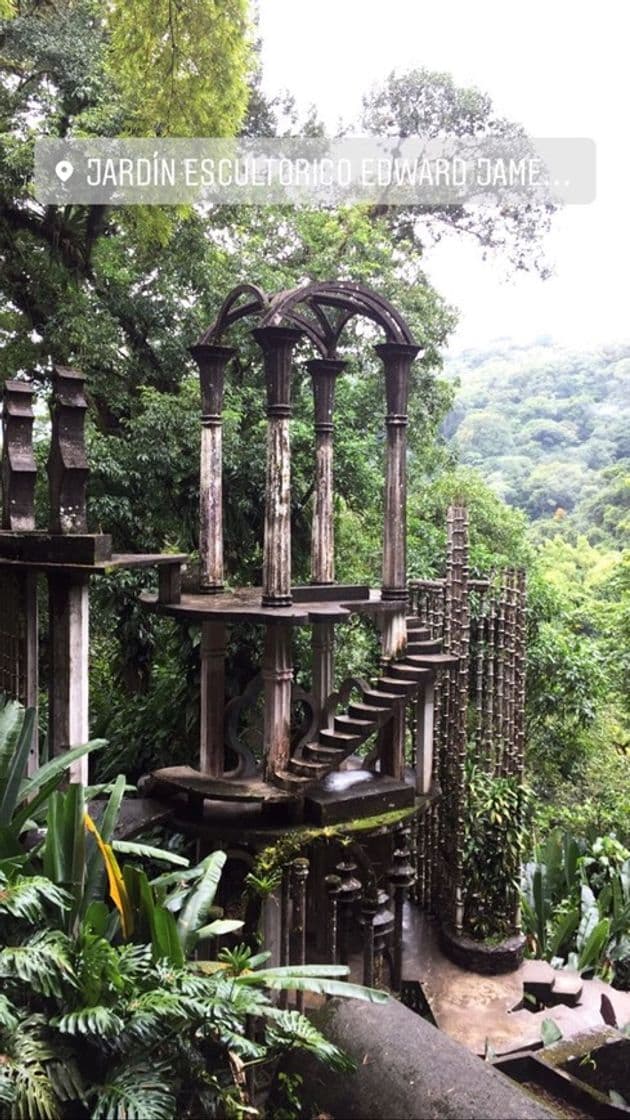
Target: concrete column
x,y
397,359
212,747
323,678
424,737
68,724
324,373
212,361
18,473
277,344
278,678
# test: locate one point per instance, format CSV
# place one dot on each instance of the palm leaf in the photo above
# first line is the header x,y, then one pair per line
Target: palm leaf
x,y
57,765
219,928
117,889
16,767
595,943
200,900
146,851
107,823
11,721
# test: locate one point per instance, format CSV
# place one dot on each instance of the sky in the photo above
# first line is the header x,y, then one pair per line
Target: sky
x,y
559,67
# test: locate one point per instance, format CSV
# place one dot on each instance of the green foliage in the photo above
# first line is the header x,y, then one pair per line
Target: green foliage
x,y
428,104
104,1011
180,69
576,905
492,852
549,428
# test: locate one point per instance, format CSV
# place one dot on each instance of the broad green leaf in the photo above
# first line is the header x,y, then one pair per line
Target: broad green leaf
x,y
219,928
145,851
562,932
596,942
166,942
57,765
15,770
317,984
11,721
200,900
550,1032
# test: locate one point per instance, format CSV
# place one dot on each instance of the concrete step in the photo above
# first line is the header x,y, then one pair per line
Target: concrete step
x,y
434,646
341,740
370,713
433,660
567,988
407,672
308,769
331,756
380,698
355,726
415,624
397,685
294,783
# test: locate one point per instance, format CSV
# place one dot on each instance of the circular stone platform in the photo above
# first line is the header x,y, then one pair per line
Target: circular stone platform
x,y
485,958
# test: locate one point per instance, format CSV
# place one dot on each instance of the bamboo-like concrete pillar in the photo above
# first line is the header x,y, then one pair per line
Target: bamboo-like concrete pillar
x,y
18,473
277,344
277,673
212,361
425,718
397,358
68,592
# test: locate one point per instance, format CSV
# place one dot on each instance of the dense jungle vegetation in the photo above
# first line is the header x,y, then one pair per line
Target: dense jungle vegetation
x,y
547,429
532,440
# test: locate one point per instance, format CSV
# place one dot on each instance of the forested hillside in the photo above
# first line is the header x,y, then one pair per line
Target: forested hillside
x,y
547,429
550,430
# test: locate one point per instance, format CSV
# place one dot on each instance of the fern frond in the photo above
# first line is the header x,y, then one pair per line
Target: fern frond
x,y
9,1016
33,1094
136,1091
26,897
44,963
96,1022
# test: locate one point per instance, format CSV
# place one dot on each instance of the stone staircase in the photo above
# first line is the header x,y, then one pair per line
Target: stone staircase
x,y
422,659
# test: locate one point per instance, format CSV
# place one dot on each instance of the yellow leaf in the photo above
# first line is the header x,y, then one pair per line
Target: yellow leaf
x,y
117,888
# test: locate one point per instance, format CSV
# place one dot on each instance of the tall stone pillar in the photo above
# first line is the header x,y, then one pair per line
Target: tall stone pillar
x,y
277,344
397,359
19,472
324,373
212,361
277,675
212,747
68,592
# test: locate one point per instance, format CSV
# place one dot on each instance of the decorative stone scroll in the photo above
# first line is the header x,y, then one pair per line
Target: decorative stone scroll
x,y
18,462
67,462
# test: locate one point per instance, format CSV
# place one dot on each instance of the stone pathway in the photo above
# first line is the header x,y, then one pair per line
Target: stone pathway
x,y
481,1010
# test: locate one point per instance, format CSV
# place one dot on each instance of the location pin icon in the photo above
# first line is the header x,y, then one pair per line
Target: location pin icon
x,y
64,170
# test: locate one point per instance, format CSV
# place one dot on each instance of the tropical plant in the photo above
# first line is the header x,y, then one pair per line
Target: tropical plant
x,y
105,1012
492,852
576,905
